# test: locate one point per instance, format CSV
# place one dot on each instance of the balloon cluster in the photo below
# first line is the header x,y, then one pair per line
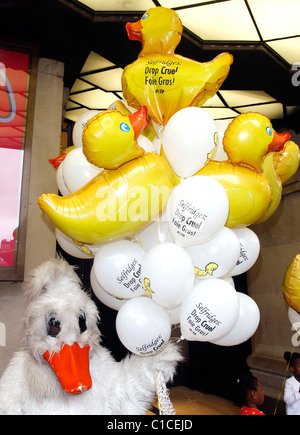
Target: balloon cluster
x,y
177,269
166,224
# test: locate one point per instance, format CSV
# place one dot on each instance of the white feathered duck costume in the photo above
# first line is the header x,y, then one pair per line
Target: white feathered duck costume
x,y
62,356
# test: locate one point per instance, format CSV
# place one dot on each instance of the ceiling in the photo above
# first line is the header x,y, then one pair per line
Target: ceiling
x,y
89,36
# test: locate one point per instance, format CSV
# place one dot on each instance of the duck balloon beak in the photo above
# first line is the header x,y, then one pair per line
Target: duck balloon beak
x,y
71,366
134,31
138,121
278,141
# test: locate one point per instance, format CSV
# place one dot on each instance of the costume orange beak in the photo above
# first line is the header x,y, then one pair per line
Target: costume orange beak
x,y
134,31
278,141
71,366
138,121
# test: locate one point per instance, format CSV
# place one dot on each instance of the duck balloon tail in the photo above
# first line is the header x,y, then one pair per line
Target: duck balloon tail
x,y
218,69
275,186
286,162
291,284
114,204
278,167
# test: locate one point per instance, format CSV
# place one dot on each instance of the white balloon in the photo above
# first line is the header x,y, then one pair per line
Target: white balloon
x,y
229,280
118,268
79,126
210,311
61,185
143,327
217,257
246,326
167,274
157,144
174,314
77,171
107,299
189,139
220,154
67,244
76,250
197,210
158,129
293,316
249,250
157,231
146,144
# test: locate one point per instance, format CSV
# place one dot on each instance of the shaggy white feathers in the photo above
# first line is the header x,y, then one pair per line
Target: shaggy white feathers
x,y
61,313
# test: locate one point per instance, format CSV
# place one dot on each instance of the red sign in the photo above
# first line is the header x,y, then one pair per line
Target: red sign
x,y
14,81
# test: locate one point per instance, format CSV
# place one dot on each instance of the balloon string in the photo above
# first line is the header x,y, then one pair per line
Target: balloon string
x,y
138,239
285,376
158,227
176,339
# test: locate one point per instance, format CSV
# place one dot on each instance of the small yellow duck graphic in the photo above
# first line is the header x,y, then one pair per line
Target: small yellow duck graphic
x,y
84,249
209,270
148,288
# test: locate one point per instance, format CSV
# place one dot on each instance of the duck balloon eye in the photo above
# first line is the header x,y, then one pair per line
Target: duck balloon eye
x,y
124,127
144,17
269,131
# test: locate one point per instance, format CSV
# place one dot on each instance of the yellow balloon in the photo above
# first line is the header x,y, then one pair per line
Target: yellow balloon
x,y
120,107
109,138
115,204
291,284
286,162
275,185
249,137
161,80
253,187
248,191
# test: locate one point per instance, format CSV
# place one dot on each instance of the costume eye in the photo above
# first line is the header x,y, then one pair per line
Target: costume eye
x,y
53,328
82,323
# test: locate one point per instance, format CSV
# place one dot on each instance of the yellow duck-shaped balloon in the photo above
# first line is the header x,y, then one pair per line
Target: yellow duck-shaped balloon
x,y
160,79
291,284
248,176
109,138
117,202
